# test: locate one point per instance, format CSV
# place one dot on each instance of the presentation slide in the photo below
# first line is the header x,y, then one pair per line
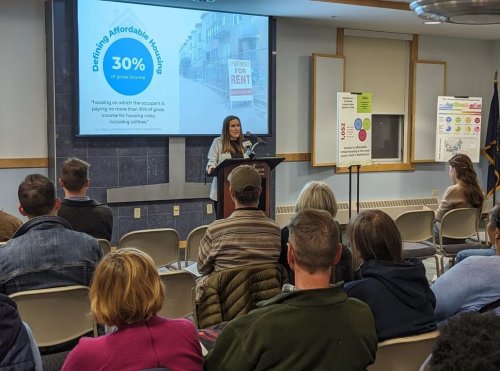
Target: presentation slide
x,y
152,70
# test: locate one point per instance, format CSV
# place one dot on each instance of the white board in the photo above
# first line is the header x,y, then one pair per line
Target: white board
x,y
429,83
328,80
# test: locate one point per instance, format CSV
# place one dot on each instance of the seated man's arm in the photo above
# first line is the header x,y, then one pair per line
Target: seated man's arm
x,y
205,262
449,290
229,353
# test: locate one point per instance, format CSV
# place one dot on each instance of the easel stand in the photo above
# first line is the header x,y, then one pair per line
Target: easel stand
x,y
350,189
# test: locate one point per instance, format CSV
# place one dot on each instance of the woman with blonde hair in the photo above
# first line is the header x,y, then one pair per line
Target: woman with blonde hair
x,y
465,192
396,290
319,196
127,293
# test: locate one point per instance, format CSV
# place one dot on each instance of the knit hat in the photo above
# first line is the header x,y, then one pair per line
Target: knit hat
x,y
244,178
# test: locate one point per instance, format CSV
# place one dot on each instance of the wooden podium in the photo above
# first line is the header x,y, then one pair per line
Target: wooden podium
x,y
265,165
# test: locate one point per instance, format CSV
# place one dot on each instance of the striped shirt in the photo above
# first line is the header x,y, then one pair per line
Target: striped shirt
x,y
246,237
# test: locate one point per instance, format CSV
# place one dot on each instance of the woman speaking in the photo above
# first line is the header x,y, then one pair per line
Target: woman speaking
x,y
228,145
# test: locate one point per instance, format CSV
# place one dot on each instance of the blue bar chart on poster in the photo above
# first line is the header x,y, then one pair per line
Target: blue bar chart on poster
x,y
149,70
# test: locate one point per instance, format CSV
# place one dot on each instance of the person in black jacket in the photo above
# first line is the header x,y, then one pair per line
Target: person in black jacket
x,y
83,213
396,290
319,196
18,351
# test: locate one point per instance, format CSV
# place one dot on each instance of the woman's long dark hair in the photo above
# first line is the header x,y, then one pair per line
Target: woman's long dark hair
x,y
226,138
467,177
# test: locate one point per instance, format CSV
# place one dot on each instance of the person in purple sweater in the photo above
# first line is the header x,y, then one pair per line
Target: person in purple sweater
x,y
127,293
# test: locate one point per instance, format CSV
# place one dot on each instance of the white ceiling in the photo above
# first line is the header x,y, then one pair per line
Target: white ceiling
x,y
346,16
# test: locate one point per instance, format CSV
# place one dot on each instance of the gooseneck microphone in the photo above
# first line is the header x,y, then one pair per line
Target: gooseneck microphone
x,y
258,139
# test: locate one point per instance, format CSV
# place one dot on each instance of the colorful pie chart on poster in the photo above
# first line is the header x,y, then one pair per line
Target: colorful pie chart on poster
x,y
358,124
362,135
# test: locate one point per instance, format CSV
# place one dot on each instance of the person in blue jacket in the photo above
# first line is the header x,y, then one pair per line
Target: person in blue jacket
x,y
18,351
396,290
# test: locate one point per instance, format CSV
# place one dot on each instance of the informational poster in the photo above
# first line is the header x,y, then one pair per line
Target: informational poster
x,y
354,118
240,80
458,127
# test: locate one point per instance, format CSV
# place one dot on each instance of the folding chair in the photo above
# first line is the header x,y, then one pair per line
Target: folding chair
x,y
415,228
56,315
178,301
459,223
161,244
405,353
193,244
105,245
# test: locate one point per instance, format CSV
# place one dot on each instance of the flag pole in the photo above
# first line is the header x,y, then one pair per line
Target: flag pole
x,y
497,133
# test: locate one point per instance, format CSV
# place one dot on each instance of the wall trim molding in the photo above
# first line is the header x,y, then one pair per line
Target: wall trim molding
x,y
295,157
23,163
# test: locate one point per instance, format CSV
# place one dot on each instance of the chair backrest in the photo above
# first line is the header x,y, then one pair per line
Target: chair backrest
x,y
416,225
55,315
404,354
230,293
178,301
460,224
193,242
105,245
161,244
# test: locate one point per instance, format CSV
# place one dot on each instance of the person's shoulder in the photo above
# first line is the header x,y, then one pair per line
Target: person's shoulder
x,y
83,239
356,285
217,141
9,218
477,262
88,352
454,189
177,323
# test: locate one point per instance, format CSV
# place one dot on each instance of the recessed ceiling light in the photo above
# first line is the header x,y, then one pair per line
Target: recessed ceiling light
x,y
432,22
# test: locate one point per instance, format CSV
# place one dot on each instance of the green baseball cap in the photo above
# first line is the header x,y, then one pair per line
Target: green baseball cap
x,y
244,178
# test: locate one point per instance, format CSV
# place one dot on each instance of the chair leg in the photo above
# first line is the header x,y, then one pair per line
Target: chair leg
x,y
438,271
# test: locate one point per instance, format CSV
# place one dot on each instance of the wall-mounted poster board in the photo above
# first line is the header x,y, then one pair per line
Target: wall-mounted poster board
x,y
458,127
354,137
328,79
429,83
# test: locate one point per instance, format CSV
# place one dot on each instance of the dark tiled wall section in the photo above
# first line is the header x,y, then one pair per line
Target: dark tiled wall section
x,y
123,162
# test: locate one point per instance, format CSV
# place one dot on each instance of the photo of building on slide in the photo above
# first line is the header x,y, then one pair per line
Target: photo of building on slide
x,y
223,68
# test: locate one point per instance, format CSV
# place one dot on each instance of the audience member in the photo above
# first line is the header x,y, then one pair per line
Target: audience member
x,y
465,192
9,224
127,292
396,290
468,342
490,235
83,213
310,326
470,285
319,196
45,252
18,350
246,237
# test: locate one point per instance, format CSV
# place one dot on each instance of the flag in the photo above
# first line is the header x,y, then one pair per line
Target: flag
x,y
491,142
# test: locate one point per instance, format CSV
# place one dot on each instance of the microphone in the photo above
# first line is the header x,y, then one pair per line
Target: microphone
x,y
248,145
258,139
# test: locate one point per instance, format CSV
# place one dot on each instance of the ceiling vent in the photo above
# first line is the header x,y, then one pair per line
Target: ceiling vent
x,y
474,12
